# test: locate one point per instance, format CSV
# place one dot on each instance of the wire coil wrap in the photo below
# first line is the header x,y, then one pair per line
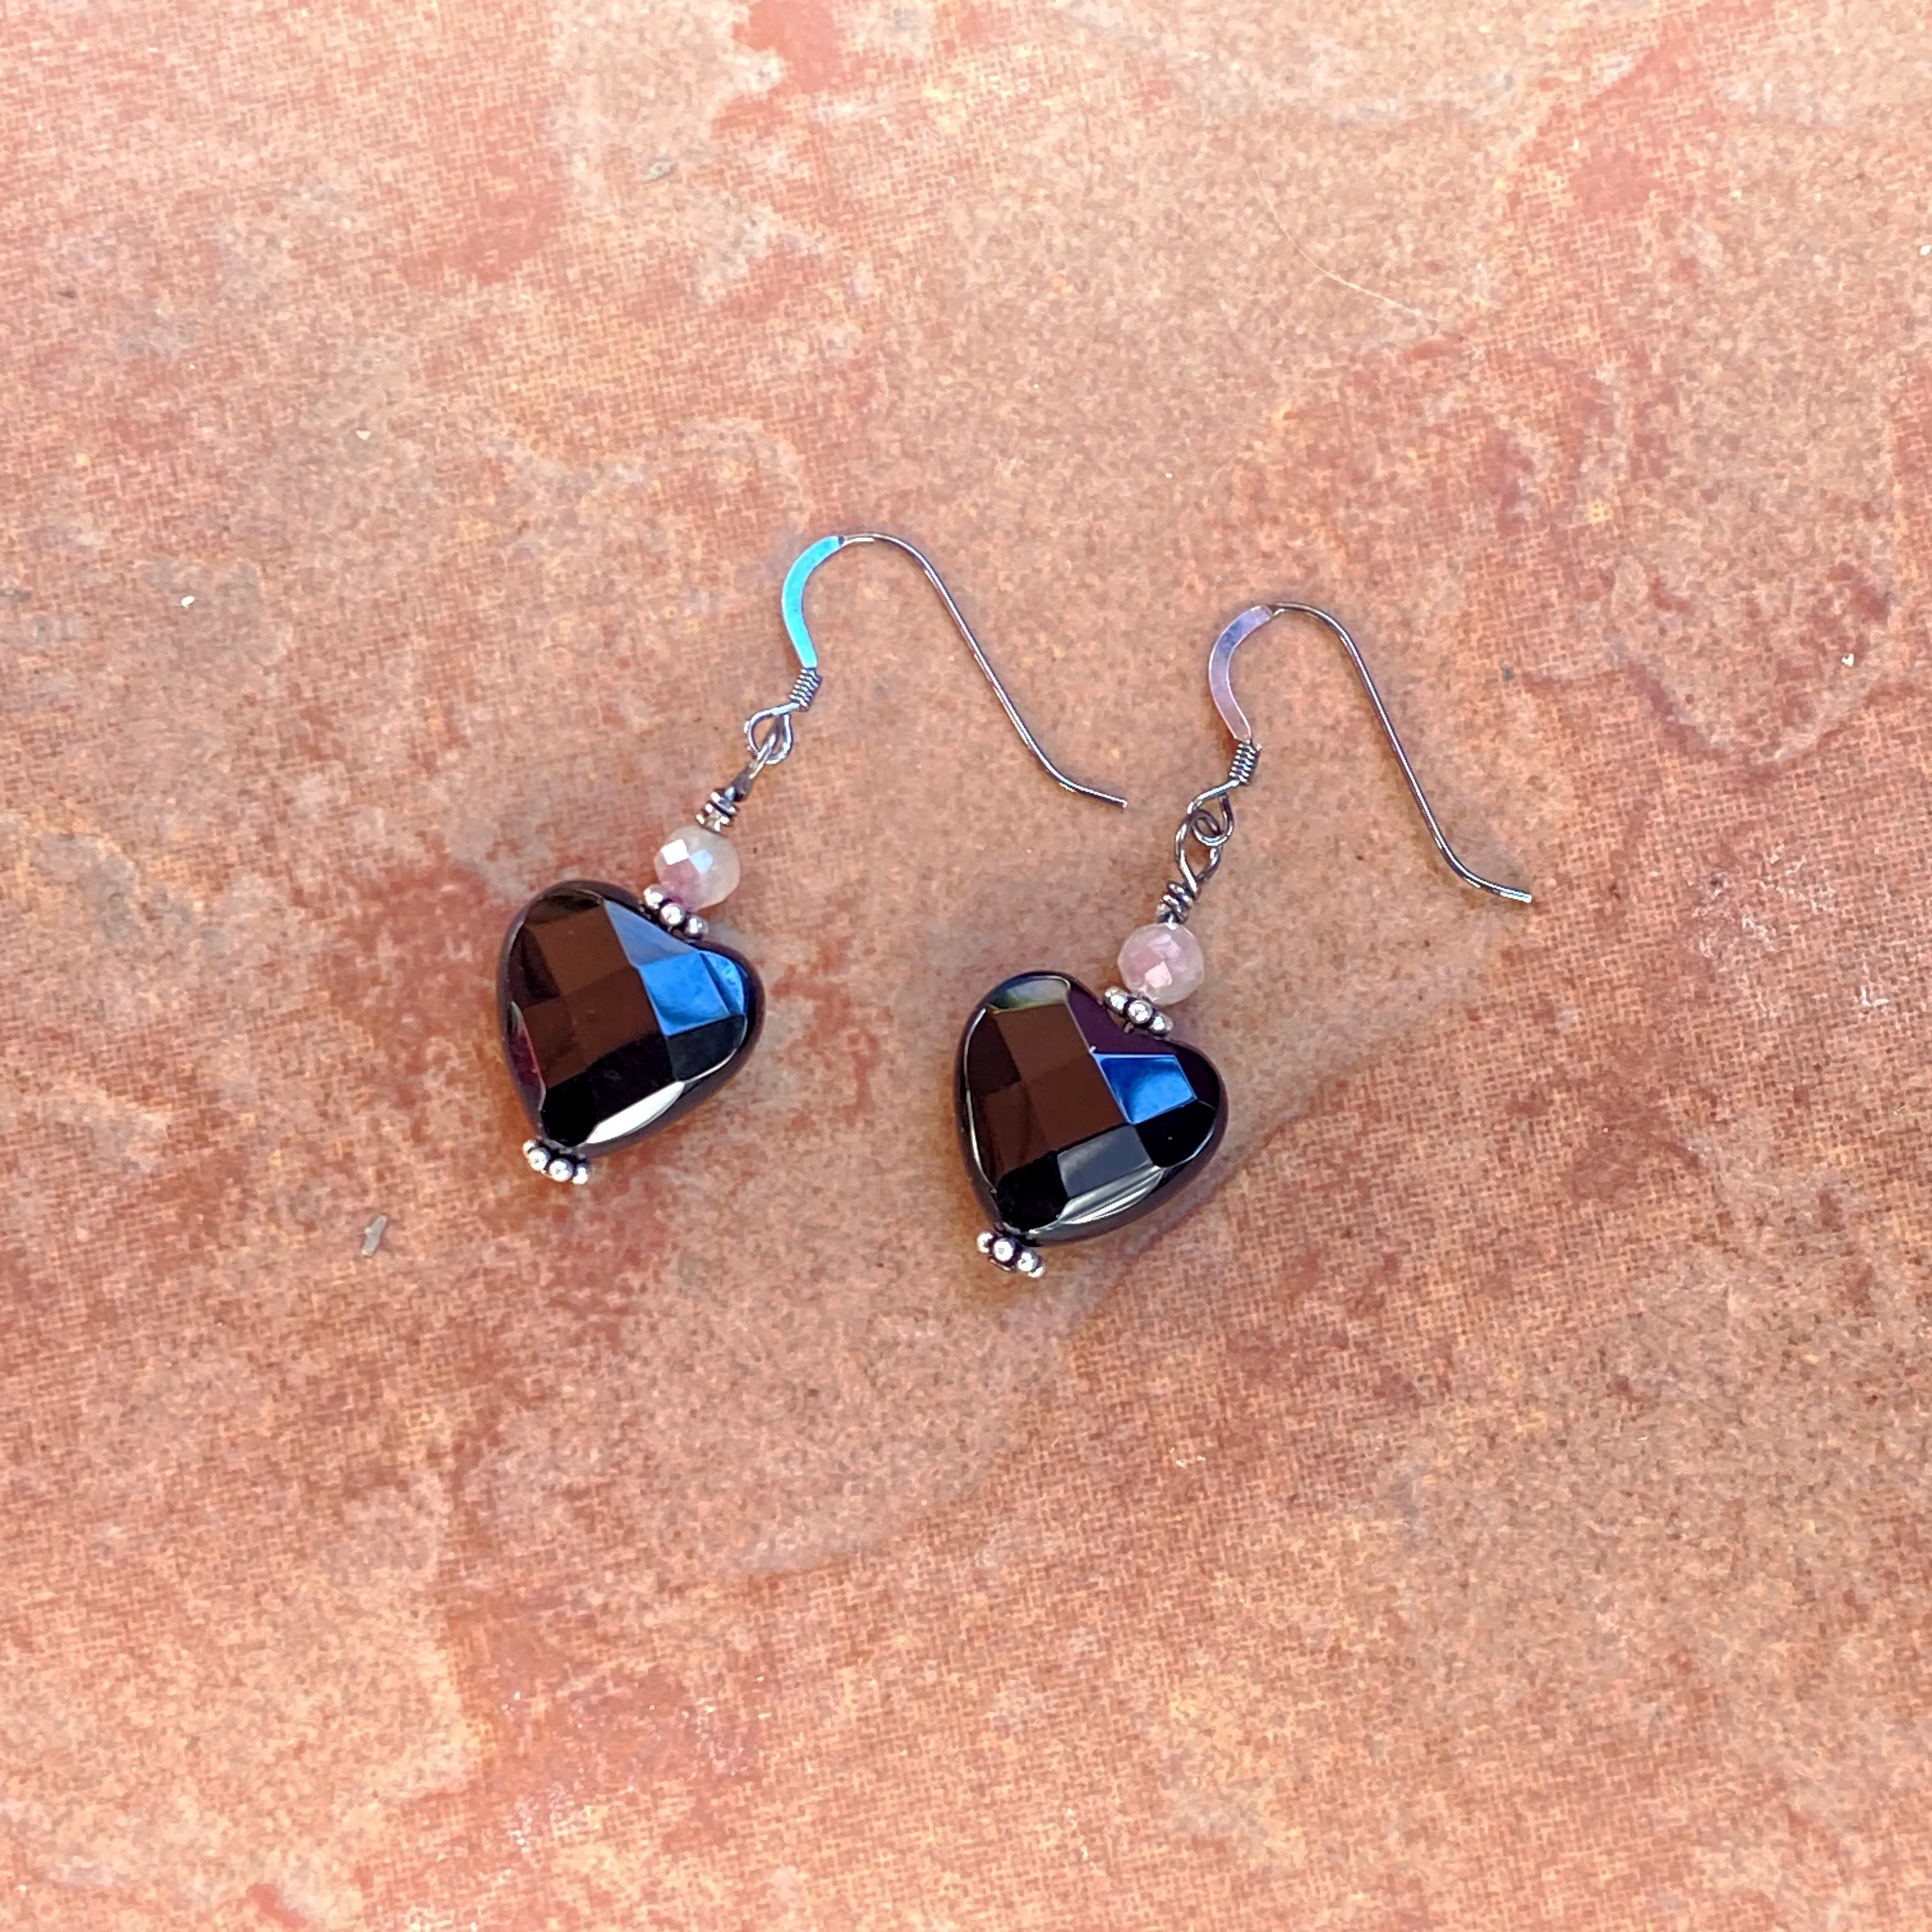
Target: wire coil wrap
x,y
775,745
1208,826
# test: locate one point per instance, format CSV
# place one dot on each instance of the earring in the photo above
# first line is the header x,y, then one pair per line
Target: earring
x,y
620,1013
1077,1114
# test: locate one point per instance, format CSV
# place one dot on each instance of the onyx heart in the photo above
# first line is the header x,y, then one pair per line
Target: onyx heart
x,y
613,1026
1072,1122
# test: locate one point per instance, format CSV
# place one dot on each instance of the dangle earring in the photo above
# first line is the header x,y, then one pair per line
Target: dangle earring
x,y
620,1013
1077,1114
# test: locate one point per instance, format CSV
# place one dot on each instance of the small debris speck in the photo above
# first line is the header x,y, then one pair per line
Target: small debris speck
x,y
1509,674
186,601
659,168
1851,659
372,1235
364,434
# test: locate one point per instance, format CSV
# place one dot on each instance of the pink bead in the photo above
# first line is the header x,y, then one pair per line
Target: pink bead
x,y
1162,963
697,868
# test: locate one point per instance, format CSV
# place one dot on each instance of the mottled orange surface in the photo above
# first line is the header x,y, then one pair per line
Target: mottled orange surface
x,y
1503,1502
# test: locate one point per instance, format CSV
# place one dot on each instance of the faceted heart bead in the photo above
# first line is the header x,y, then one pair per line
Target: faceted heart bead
x,y
614,1027
1073,1122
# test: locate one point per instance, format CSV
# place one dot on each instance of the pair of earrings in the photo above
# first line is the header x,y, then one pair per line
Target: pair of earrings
x,y
1076,1113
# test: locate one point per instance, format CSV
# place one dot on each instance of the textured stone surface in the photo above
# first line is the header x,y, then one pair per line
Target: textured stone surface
x,y
1504,1502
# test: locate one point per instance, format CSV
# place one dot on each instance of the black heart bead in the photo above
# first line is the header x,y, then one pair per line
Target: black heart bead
x,y
1072,1122
614,1027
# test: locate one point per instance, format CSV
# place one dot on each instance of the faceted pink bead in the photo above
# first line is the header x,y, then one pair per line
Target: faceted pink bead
x,y
1162,963
697,868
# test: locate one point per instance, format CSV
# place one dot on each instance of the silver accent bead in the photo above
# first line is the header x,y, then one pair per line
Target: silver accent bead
x,y
1005,1252
1135,1009
655,897
717,812
671,915
695,926
546,1158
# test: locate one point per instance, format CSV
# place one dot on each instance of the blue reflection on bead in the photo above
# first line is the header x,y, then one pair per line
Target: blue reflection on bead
x,y
689,992
1146,1084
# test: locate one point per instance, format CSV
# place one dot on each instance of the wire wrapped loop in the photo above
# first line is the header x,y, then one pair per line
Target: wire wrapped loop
x,y
768,733
1204,836
768,736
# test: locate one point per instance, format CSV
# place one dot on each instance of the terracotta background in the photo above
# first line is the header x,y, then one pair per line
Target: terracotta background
x,y
1504,1502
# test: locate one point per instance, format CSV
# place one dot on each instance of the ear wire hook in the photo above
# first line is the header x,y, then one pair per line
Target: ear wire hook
x,y
768,733
1210,822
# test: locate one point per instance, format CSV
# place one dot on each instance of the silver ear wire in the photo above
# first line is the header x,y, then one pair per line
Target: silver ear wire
x,y
1209,821
768,734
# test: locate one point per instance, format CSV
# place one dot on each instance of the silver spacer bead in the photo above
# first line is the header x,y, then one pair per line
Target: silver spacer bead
x,y
554,1161
1136,1010
717,812
694,927
668,913
1005,1252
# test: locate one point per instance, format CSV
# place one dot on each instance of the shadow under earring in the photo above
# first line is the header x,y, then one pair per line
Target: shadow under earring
x,y
619,1012
1078,1113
